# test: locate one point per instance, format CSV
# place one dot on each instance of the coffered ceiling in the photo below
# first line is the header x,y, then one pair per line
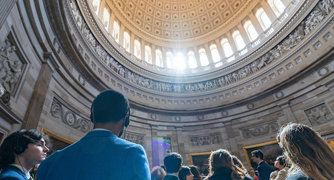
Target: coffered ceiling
x,y
178,19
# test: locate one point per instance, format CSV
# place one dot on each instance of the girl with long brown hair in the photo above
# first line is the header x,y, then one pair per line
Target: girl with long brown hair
x,y
310,156
221,166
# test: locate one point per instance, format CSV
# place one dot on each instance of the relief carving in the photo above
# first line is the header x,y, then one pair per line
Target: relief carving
x,y
68,117
315,17
204,139
319,114
135,138
260,130
10,68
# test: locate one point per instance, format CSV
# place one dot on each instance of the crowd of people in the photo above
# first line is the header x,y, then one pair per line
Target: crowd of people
x,y
101,154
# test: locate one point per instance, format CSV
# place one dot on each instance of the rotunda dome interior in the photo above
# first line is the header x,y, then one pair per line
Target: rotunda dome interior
x,y
199,74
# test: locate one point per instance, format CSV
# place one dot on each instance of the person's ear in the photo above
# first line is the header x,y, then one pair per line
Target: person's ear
x,y
180,167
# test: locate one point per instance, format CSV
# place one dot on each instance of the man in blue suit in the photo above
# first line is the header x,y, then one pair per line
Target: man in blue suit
x,y
101,154
263,169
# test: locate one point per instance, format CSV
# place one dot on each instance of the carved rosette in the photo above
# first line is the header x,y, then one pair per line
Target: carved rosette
x,y
314,18
205,139
319,114
260,130
68,117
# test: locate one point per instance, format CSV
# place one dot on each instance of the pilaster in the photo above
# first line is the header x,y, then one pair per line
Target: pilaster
x,y
41,88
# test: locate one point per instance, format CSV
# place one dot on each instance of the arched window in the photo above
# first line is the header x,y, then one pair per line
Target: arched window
x,y
238,40
115,32
158,58
263,19
169,59
148,54
192,60
277,6
179,61
137,49
251,32
106,16
203,58
96,5
214,53
126,41
227,48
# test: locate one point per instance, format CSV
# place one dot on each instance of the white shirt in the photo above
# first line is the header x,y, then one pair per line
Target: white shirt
x,y
101,129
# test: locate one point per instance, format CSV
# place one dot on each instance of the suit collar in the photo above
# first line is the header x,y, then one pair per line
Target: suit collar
x,y
100,133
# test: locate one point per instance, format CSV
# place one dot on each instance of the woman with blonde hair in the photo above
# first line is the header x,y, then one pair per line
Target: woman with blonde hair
x,y
310,156
221,166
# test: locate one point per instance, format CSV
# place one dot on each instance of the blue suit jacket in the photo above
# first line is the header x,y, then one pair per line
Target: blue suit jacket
x,y
10,172
98,155
264,171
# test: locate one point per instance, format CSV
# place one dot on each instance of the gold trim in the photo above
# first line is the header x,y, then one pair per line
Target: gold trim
x,y
56,136
196,154
256,145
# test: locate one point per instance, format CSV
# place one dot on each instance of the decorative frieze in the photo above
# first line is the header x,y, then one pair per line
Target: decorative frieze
x,y
203,140
319,114
70,118
260,130
135,138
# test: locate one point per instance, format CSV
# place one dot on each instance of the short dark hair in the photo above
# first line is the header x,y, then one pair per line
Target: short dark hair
x,y
173,162
258,154
184,172
21,138
109,106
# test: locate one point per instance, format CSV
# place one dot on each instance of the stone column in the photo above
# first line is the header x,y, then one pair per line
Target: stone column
x,y
164,57
232,44
153,54
111,23
142,49
231,139
121,35
285,106
186,58
270,13
132,42
220,50
198,61
244,34
5,9
180,142
41,88
255,23
100,11
208,53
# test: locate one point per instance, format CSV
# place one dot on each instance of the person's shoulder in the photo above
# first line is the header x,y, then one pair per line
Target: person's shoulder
x,y
297,176
8,173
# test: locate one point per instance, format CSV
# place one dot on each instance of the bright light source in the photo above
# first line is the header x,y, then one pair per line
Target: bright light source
x,y
179,61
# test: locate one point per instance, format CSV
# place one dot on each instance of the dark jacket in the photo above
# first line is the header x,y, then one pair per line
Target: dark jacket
x,y
298,175
170,177
10,172
264,171
225,174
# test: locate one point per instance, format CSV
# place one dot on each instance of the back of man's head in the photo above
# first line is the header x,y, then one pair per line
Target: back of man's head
x,y
173,162
109,106
258,154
